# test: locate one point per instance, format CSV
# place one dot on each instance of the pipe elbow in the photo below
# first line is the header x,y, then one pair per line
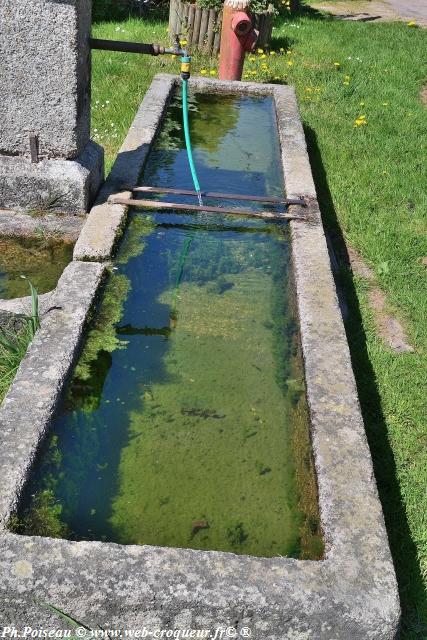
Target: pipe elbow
x,y
241,23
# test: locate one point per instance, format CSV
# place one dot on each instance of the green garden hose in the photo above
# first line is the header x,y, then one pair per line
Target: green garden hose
x,y
185,69
185,74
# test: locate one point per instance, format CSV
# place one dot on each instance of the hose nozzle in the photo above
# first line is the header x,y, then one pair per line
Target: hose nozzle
x,y
185,67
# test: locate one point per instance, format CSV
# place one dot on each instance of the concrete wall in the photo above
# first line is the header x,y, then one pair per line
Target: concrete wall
x,y
45,92
45,76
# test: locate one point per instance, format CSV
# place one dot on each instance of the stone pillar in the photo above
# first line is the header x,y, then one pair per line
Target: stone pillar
x,y
47,160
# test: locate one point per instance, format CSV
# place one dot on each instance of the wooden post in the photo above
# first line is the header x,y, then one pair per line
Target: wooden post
x,y
217,36
184,18
172,18
211,33
196,29
203,28
190,26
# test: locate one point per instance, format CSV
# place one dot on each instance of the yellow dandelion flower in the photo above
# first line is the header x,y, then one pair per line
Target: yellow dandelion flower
x,y
290,63
173,56
183,42
346,83
337,65
362,104
203,72
281,50
272,53
385,104
412,23
277,77
289,53
360,121
212,72
263,56
260,50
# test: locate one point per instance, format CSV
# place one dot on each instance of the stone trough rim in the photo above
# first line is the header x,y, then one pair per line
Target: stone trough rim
x,y
352,592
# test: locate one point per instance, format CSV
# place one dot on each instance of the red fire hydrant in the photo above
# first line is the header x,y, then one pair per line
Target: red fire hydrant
x,y
237,37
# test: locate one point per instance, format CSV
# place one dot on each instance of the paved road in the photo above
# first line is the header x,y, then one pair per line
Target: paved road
x,y
414,9
379,10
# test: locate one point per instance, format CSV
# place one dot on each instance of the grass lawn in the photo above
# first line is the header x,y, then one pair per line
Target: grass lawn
x,y
358,86
13,346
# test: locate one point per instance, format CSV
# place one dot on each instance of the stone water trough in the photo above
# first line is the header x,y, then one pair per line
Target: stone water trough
x,y
350,594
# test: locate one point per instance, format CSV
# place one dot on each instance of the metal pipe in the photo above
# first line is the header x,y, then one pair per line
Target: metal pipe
x,y
134,47
165,206
219,195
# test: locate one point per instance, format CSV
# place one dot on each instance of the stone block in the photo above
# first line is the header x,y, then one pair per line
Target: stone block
x,y
69,186
45,76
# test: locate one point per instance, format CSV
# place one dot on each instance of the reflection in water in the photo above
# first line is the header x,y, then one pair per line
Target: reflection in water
x,y
185,422
41,260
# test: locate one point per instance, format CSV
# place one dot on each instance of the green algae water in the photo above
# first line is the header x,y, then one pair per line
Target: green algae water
x,y
41,260
185,422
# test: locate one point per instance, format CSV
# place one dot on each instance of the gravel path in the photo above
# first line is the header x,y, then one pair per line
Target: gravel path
x,y
414,9
378,10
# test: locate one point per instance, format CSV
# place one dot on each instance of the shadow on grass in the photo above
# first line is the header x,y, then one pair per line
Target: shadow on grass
x,y
411,588
114,11
292,38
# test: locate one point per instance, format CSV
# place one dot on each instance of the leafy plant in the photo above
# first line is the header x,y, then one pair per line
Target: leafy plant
x,y
255,6
34,319
9,339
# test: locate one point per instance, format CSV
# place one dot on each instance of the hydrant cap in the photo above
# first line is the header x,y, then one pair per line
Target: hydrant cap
x,y
241,23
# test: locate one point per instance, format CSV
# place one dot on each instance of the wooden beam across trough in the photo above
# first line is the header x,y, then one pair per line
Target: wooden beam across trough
x,y
218,195
167,206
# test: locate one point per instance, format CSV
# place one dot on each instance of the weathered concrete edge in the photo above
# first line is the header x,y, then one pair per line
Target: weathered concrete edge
x,y
68,186
65,228
23,305
357,553
28,406
340,597
105,221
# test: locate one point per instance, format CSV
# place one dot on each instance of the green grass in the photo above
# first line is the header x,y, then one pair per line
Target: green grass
x,y
372,189
15,336
13,346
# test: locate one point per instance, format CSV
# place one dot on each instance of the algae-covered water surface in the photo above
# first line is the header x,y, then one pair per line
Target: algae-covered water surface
x,y
41,260
185,422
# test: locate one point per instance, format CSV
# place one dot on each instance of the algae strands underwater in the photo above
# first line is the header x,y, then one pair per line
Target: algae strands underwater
x,y
185,422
